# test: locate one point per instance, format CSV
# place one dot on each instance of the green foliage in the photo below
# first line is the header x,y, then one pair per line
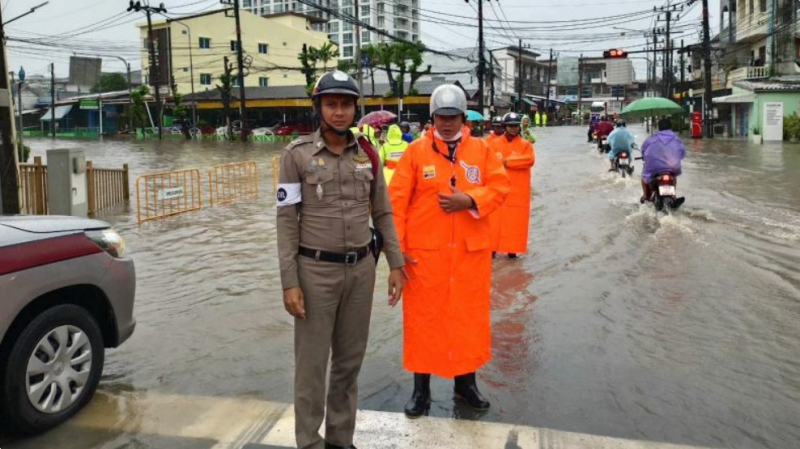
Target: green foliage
x,y
24,153
178,110
139,107
310,56
399,59
791,126
756,130
110,82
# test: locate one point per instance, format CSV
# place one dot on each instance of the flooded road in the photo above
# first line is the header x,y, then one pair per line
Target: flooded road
x,y
682,329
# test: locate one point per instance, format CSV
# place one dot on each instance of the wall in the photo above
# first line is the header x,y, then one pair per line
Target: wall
x,y
790,100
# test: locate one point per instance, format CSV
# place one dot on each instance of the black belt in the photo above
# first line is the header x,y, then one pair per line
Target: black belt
x,y
349,258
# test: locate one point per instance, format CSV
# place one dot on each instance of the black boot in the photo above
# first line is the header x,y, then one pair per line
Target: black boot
x,y
336,446
512,255
420,400
467,390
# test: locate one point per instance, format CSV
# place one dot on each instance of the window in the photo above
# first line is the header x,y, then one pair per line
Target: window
x,y
233,46
205,79
763,5
381,8
247,3
347,38
347,26
184,31
348,10
365,11
334,27
347,3
144,43
235,81
348,52
366,21
333,38
205,42
381,22
263,49
365,36
186,69
263,81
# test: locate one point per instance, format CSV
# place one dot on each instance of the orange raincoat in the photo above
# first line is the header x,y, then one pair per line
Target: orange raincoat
x,y
446,309
510,222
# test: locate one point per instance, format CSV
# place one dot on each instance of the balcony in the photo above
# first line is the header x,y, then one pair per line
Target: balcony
x,y
747,73
751,27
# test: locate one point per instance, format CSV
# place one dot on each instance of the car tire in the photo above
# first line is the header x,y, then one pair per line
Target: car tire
x,y
20,411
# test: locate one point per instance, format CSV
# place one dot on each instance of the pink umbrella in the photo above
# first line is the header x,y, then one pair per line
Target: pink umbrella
x,y
377,119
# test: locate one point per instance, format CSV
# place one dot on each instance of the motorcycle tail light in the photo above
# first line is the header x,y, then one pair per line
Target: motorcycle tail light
x,y
666,178
623,155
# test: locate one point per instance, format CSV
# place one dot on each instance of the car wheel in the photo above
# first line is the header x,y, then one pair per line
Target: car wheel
x,y
53,368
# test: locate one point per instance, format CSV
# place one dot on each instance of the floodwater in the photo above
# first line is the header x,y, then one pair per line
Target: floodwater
x,y
678,329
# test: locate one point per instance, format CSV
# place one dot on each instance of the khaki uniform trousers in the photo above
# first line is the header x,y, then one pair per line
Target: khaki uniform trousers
x,y
338,304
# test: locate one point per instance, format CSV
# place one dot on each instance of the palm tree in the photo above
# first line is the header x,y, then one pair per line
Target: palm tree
x,y
325,54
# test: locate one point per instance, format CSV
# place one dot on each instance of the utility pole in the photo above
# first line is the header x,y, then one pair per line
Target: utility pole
x,y
519,78
240,75
19,107
668,59
359,63
53,100
580,87
154,68
491,85
480,57
707,93
549,70
683,94
8,156
655,59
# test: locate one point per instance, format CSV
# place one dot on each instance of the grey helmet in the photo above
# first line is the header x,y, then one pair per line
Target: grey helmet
x,y
512,118
335,82
448,99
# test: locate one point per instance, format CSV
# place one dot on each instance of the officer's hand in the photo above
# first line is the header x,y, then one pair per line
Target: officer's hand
x,y
409,260
456,202
294,302
397,280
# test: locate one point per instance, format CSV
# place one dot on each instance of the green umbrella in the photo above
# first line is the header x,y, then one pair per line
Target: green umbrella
x,y
647,107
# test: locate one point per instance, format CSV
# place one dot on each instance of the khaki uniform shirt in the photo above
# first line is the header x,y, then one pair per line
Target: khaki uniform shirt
x,y
324,203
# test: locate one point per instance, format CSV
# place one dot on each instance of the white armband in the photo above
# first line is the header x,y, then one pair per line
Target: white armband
x,y
289,194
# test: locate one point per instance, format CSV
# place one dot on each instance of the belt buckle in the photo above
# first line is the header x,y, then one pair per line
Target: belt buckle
x,y
351,258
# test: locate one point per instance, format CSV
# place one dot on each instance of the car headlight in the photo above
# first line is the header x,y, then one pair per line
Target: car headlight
x,y
109,240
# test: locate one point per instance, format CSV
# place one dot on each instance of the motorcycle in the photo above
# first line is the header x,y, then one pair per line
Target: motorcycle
x,y
664,192
603,145
622,163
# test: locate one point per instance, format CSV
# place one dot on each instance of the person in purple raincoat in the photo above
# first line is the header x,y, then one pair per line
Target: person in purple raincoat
x,y
661,152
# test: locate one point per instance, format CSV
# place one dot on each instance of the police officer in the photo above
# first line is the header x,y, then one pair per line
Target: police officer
x,y
330,185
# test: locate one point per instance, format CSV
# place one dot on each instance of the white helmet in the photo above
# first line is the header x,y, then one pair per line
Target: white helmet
x,y
448,99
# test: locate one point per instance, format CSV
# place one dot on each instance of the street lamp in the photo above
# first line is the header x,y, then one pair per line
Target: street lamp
x,y
32,10
191,67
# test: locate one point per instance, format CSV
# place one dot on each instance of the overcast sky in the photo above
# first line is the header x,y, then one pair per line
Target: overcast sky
x,y
103,26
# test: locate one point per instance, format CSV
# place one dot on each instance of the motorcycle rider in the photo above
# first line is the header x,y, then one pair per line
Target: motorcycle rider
x,y
620,140
592,125
603,129
661,152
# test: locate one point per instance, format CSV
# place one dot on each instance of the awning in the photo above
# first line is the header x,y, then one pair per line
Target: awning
x,y
530,102
739,98
61,112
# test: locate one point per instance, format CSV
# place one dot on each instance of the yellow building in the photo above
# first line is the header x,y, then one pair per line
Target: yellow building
x,y
191,50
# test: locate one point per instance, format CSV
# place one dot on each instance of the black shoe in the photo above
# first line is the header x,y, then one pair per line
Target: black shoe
x,y
612,169
336,446
467,390
678,202
512,255
420,400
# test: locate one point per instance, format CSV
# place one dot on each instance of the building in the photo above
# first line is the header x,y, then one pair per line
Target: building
x,y
754,62
516,64
399,18
191,50
610,81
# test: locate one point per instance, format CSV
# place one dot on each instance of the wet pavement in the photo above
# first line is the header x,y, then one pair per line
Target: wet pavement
x,y
620,324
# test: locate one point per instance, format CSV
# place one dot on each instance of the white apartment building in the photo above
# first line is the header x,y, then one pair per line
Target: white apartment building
x,y
400,18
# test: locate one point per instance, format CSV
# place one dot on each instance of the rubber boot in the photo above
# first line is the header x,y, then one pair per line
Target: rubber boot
x,y
512,255
336,446
420,400
467,390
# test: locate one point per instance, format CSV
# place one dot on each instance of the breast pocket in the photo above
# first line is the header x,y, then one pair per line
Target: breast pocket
x,y
363,182
320,187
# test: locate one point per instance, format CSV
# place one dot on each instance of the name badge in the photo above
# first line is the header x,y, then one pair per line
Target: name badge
x,y
429,172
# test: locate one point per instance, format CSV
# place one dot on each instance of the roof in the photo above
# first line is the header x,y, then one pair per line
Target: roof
x,y
311,19
768,86
740,98
424,88
60,112
194,16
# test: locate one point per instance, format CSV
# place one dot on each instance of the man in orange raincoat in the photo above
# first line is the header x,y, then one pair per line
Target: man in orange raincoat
x,y
510,222
444,187
497,130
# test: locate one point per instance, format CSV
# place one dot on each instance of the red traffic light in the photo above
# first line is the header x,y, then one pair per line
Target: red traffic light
x,y
615,53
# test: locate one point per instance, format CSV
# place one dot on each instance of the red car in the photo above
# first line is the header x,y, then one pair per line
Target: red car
x,y
288,130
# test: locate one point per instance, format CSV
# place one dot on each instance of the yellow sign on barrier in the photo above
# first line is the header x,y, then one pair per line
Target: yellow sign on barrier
x,y
276,172
162,195
228,183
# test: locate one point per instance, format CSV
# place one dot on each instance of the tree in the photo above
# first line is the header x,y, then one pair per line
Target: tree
x,y
395,58
225,92
310,56
326,54
180,112
139,107
371,52
110,82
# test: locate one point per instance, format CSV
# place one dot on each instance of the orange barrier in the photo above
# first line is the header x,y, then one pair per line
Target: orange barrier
x,y
228,183
162,195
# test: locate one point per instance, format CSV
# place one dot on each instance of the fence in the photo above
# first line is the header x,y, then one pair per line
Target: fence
x,y
33,182
230,182
105,187
167,194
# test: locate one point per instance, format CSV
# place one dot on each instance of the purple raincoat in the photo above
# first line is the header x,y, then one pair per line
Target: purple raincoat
x,y
662,152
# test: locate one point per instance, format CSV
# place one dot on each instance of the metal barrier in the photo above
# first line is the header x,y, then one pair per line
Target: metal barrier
x,y
276,172
33,183
106,186
167,194
228,183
